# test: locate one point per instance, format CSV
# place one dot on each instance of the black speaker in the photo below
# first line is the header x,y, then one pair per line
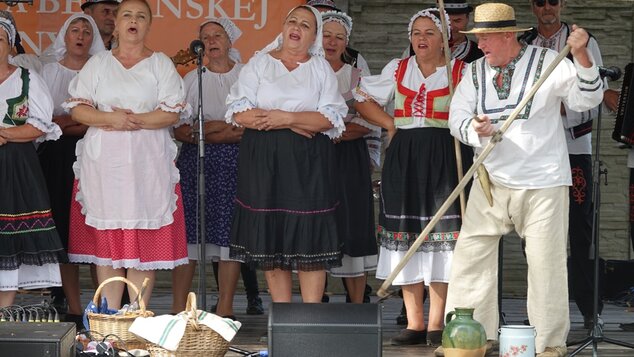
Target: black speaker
x,y
619,277
318,330
45,339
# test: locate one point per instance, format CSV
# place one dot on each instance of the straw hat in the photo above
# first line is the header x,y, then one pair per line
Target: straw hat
x,y
494,17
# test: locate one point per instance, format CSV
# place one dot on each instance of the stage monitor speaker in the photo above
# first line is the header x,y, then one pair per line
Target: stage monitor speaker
x,y
619,278
46,339
318,330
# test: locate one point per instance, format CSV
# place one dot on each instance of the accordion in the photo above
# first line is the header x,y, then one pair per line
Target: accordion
x,y
624,125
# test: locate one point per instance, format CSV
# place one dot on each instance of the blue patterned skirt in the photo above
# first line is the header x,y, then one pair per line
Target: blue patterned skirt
x,y
221,169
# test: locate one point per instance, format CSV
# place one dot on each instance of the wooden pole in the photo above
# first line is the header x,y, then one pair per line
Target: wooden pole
x,y
445,37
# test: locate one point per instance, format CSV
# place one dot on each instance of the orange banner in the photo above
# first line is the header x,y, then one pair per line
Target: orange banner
x,y
174,25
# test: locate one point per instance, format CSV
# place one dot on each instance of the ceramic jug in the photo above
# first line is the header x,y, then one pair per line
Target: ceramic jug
x,y
463,336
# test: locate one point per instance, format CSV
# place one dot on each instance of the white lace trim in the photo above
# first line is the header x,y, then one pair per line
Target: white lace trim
x,y
127,263
51,130
238,106
98,223
364,123
352,267
335,119
184,109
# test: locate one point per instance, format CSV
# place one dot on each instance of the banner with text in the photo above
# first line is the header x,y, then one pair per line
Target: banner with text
x,y
174,25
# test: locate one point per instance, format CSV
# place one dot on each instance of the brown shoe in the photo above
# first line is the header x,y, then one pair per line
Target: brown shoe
x,y
559,351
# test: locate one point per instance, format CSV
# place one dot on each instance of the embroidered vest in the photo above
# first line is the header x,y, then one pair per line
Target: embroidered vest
x,y
431,105
18,107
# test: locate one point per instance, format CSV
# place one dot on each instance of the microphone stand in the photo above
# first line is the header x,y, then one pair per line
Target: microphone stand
x,y
199,129
596,333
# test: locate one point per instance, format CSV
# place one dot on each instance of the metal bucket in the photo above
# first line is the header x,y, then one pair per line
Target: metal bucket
x,y
517,341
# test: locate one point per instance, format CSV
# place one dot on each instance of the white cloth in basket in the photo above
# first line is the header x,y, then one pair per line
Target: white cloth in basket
x,y
165,330
227,328
168,330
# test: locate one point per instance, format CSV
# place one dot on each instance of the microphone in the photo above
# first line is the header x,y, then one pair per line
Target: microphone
x,y
612,73
197,47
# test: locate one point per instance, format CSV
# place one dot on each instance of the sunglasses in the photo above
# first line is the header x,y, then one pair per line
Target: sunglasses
x,y
542,3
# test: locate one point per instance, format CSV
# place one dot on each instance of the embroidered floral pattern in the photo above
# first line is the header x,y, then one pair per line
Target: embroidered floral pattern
x,y
506,73
73,102
22,110
173,108
579,185
26,223
632,203
401,241
361,96
527,110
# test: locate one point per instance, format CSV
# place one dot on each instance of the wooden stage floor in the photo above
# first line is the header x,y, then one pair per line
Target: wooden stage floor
x,y
253,334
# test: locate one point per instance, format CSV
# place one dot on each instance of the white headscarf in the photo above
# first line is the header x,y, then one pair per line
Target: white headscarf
x,y
428,14
341,18
59,46
8,27
233,32
317,49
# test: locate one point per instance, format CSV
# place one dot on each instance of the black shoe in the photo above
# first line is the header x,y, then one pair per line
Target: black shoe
x,y
434,338
213,308
59,303
366,294
254,306
401,319
409,337
325,298
627,327
588,322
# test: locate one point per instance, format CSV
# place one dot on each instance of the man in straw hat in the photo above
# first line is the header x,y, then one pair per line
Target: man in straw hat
x,y
552,33
529,171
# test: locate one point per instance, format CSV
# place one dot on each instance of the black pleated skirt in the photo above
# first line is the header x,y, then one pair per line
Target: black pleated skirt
x,y
419,173
355,215
285,211
27,229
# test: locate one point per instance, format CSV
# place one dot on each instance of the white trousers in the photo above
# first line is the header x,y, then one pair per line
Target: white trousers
x,y
540,217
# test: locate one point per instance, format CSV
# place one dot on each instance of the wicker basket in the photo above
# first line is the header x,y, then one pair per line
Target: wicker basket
x,y
119,324
198,340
